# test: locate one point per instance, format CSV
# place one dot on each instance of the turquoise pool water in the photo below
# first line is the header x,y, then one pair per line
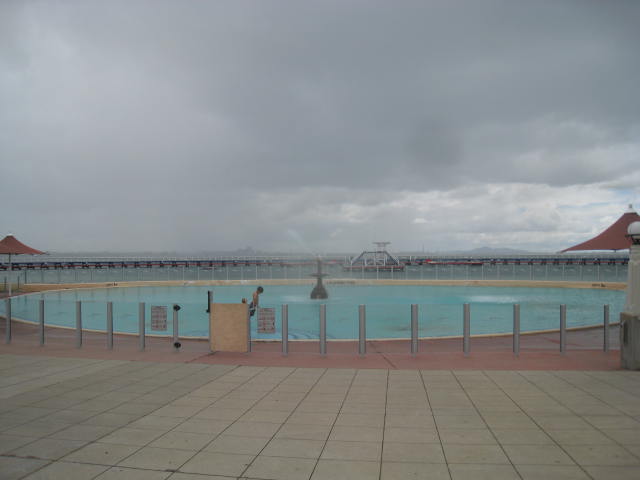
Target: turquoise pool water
x,y
387,308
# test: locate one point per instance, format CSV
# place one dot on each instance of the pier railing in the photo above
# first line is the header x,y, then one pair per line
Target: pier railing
x,y
605,268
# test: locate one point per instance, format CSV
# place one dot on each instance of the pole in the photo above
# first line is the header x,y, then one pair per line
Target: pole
x,y
110,325
563,328
414,329
285,329
323,329
516,329
9,278
176,343
78,324
466,328
7,316
606,328
362,341
141,310
41,302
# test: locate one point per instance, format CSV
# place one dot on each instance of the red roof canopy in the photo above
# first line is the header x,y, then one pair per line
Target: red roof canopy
x,y
12,246
613,238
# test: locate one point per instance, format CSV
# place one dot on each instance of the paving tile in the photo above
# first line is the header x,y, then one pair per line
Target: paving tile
x,y
418,471
109,419
537,455
602,455
624,436
11,442
68,471
411,435
202,425
412,452
12,468
252,429
580,437
323,418
195,476
466,436
613,473
512,436
293,448
121,473
364,451
554,472
360,420
235,444
460,421
156,422
305,432
474,454
37,428
281,468
48,448
182,440
87,433
482,472
352,470
612,421
101,453
211,463
157,458
132,436
362,434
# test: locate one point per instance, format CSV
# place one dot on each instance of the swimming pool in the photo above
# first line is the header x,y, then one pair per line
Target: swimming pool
x,y
388,308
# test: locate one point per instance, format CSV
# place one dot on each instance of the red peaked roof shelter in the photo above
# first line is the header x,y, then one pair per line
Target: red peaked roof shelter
x,y
613,238
10,245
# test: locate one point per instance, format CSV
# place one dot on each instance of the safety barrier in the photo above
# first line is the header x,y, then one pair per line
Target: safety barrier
x,y
362,321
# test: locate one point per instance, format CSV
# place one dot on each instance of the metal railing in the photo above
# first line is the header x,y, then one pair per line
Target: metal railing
x,y
322,339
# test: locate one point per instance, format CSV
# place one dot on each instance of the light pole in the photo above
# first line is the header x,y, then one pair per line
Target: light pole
x,y
630,317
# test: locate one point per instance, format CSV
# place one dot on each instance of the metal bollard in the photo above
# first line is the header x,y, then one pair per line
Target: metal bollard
x,y
176,336
563,328
41,302
414,329
466,328
209,299
606,328
7,316
78,324
323,329
285,329
110,325
516,329
141,333
362,341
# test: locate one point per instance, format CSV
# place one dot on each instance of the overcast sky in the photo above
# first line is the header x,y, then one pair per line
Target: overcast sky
x,y
317,126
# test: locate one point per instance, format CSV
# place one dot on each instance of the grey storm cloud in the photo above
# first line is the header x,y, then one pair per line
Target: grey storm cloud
x,y
232,122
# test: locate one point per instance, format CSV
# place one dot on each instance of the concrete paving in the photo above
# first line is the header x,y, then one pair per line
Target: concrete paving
x,y
94,418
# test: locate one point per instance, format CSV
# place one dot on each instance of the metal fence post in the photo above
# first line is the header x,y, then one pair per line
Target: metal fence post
x,y
466,328
176,334
606,328
141,333
414,329
110,325
41,302
362,338
516,329
7,317
563,328
285,329
78,324
323,329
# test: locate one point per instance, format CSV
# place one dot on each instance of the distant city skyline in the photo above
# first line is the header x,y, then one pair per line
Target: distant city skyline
x,y
314,127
